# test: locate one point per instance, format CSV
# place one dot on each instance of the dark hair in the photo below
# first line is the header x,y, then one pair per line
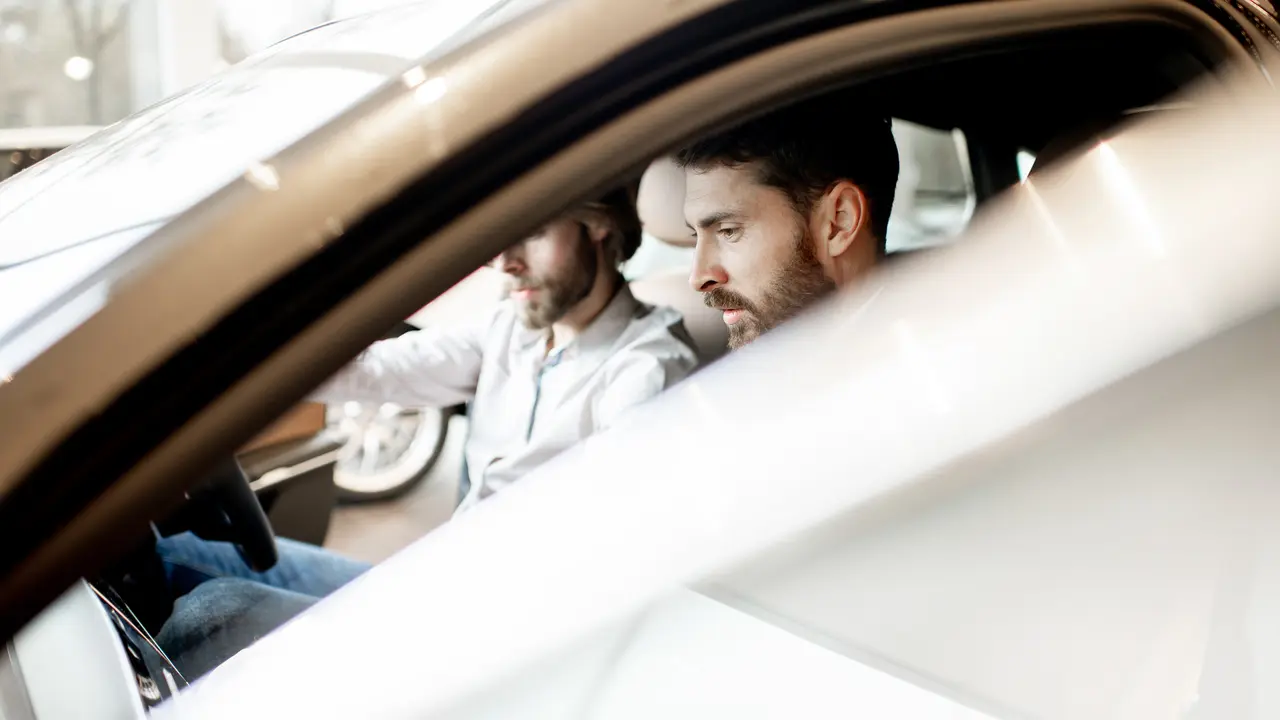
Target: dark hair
x,y
618,209
805,148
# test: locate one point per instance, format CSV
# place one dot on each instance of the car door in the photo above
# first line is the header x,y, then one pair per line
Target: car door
x,y
467,612
655,79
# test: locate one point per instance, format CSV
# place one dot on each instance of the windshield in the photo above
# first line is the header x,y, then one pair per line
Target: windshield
x,y
73,214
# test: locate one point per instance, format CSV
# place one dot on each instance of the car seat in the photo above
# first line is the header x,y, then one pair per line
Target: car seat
x,y
660,204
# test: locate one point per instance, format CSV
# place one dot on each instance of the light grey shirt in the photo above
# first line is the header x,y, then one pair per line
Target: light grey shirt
x,y
527,404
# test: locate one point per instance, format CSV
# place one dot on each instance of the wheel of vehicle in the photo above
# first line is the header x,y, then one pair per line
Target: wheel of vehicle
x,y
389,449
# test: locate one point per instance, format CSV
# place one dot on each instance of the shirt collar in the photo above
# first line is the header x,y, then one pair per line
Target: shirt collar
x,y
597,339
607,327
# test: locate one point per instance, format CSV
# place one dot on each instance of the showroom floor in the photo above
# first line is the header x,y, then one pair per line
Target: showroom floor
x,y
373,532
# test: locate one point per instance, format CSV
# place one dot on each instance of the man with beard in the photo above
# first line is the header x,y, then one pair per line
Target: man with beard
x,y
567,353
786,208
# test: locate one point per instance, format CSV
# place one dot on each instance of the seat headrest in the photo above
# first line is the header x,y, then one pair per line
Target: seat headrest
x,y
660,203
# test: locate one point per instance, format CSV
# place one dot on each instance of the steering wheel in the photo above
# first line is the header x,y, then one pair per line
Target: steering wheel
x,y
224,507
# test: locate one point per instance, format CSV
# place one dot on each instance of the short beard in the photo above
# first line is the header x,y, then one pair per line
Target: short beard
x,y
563,293
798,284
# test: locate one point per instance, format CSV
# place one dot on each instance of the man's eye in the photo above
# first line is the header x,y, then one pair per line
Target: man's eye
x,y
728,233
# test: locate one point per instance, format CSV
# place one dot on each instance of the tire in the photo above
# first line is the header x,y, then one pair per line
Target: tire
x,y
390,449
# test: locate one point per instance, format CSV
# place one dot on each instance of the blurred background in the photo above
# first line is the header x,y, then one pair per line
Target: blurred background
x,y
92,62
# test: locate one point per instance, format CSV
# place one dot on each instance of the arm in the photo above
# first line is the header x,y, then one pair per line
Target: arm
x,y
435,367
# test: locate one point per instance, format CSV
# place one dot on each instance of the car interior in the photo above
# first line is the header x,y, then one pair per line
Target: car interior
x,y
975,117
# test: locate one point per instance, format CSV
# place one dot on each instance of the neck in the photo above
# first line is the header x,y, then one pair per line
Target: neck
x,y
566,329
857,261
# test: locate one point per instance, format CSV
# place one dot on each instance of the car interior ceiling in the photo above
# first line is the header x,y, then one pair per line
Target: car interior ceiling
x,y
1058,81
1061,89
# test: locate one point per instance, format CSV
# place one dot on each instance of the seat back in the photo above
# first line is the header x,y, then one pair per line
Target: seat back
x,y
671,288
660,203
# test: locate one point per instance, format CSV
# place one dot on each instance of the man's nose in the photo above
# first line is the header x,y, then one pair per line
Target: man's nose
x,y
707,272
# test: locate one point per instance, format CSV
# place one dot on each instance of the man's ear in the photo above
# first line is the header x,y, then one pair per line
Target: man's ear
x,y
843,214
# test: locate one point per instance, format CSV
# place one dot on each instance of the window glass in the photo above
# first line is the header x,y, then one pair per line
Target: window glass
x,y
935,197
1026,159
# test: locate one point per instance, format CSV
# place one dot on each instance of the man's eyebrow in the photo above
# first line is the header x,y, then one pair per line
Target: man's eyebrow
x,y
715,219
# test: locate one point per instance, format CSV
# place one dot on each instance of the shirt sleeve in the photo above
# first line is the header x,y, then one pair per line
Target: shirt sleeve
x,y
434,367
639,377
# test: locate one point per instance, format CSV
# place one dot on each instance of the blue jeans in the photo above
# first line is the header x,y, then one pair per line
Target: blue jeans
x,y
222,606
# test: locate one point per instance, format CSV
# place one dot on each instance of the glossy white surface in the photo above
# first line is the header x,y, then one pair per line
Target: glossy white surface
x,y
689,656
1118,560
692,657
1078,280
73,663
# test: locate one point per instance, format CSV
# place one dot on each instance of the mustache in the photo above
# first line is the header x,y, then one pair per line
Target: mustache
x,y
721,299
514,286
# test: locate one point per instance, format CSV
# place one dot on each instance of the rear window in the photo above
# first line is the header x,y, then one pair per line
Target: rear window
x,y
936,197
